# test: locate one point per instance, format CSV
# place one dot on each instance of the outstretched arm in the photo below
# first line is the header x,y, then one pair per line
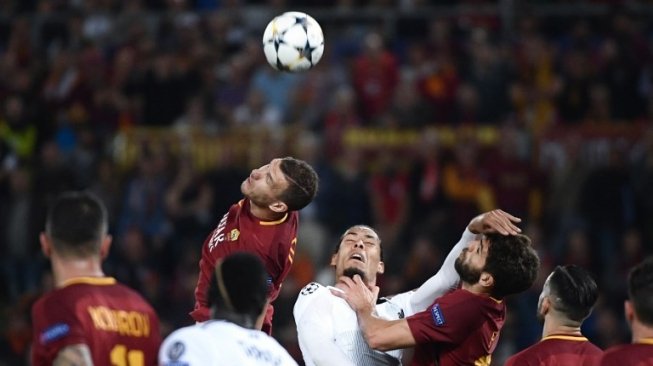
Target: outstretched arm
x,y
496,221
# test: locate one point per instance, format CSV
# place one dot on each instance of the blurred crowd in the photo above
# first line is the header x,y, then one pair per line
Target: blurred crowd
x,y
549,120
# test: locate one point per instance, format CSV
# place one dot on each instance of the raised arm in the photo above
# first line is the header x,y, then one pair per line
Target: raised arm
x,y
446,279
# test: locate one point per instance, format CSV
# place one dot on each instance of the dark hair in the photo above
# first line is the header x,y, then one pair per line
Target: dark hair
x,y
302,183
512,262
337,247
76,223
640,290
244,291
575,290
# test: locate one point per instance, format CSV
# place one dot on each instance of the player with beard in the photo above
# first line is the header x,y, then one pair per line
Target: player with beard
x,y
567,299
639,315
326,326
264,223
461,327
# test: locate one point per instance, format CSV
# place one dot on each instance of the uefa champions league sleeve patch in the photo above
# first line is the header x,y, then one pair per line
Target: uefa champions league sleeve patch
x,y
436,313
54,332
310,288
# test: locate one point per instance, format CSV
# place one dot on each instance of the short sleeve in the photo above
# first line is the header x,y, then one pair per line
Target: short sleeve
x,y
448,321
54,330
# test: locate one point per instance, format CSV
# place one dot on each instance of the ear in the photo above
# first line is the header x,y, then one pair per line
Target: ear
x,y
629,311
104,247
46,246
546,305
486,280
278,207
380,268
334,259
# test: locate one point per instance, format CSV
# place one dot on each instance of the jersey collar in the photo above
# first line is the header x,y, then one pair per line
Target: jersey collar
x,y
565,337
98,281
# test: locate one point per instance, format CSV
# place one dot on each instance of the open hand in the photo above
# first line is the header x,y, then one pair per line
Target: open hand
x,y
359,297
495,221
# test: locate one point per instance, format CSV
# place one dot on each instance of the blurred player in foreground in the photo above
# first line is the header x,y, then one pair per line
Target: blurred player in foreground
x,y
327,328
462,327
567,299
639,315
89,319
263,223
239,299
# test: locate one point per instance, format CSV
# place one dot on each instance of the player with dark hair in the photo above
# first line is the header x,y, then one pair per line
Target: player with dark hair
x,y
263,223
89,319
239,297
567,299
461,327
639,315
327,329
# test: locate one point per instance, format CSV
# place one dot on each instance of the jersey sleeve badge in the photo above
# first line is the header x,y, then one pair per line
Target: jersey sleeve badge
x,y
310,288
436,313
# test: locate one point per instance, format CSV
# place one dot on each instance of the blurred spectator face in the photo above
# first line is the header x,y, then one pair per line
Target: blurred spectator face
x,y
19,181
14,110
163,65
373,46
467,97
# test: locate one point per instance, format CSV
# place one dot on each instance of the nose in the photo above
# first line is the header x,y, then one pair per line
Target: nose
x,y
359,244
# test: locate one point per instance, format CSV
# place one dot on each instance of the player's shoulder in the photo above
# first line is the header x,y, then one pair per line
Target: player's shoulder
x,y
189,333
523,357
248,345
626,352
311,289
308,294
185,345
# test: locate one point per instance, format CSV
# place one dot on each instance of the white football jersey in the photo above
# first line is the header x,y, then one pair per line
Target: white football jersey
x,y
218,342
316,306
327,328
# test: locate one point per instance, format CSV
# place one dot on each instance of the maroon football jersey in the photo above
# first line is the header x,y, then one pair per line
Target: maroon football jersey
x,y
116,323
460,328
635,354
240,231
558,350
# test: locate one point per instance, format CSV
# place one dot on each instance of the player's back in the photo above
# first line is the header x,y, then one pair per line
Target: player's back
x,y
558,350
116,323
636,354
218,342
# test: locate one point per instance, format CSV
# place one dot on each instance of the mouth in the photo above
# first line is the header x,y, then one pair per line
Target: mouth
x,y
358,257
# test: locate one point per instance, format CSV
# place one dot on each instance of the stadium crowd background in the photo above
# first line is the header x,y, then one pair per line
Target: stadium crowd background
x,y
418,117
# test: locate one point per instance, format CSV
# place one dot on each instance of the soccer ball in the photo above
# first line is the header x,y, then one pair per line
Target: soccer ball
x,y
293,41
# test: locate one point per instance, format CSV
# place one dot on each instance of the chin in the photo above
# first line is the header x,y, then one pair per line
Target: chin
x,y
352,271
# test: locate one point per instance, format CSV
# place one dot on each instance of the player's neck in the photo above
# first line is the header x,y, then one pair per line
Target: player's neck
x,y
264,213
67,269
641,332
475,288
553,326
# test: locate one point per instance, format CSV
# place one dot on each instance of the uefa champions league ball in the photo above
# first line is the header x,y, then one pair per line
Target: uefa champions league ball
x,y
293,42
